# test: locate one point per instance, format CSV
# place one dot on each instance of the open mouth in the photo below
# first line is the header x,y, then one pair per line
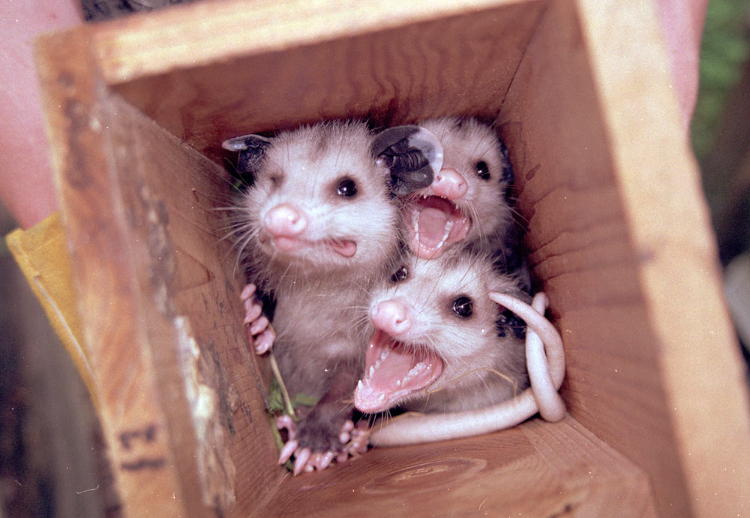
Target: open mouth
x,y
392,372
344,247
434,223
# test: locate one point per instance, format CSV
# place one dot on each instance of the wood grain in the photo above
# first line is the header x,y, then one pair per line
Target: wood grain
x,y
115,171
458,63
678,272
618,236
536,469
633,351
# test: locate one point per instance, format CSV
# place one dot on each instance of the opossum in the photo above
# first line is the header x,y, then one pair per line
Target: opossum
x,y
441,346
320,225
466,202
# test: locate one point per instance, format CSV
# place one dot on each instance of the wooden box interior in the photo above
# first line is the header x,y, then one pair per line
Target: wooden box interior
x,y
579,92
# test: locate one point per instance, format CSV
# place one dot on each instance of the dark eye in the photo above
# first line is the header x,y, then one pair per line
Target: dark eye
x,y
275,180
482,170
400,274
346,188
463,307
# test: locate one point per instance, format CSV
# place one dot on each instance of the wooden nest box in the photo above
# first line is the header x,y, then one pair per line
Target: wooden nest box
x,y
618,230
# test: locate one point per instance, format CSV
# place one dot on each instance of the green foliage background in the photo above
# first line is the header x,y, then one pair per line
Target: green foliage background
x,y
724,49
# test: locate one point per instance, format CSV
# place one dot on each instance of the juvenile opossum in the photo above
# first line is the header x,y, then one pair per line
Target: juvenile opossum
x,y
440,343
466,201
441,346
321,226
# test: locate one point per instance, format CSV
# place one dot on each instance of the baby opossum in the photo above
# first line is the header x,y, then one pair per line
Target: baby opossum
x,y
466,201
440,343
321,226
442,346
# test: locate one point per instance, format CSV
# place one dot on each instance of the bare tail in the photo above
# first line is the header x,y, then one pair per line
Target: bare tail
x,y
546,372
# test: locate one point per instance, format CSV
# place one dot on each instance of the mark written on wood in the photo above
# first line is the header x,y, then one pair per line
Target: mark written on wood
x,y
141,464
145,434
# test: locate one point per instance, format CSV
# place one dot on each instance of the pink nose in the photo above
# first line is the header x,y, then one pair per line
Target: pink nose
x,y
391,316
285,220
449,184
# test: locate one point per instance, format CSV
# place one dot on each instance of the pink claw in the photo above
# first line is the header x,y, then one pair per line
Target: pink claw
x,y
259,325
284,422
287,451
348,426
252,313
247,291
264,341
301,460
326,459
344,437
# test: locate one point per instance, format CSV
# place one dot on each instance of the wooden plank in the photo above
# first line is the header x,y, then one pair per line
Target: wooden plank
x,y
189,280
191,36
536,469
134,424
460,62
633,375
171,418
667,214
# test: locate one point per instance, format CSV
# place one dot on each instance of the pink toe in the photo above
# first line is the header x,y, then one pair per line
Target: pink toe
x,y
301,460
247,291
287,451
264,341
348,426
252,314
259,325
344,437
326,459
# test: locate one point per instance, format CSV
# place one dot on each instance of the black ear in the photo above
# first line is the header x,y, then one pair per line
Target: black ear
x,y
413,154
252,148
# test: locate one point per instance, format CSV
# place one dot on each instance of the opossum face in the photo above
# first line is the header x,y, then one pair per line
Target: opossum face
x,y
320,200
434,323
465,201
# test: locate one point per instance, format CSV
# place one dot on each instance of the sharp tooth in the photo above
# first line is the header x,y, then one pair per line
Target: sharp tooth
x,y
448,228
371,372
384,355
381,397
360,386
398,383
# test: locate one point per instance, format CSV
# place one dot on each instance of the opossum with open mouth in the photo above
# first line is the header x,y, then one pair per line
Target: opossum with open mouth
x,y
467,201
443,347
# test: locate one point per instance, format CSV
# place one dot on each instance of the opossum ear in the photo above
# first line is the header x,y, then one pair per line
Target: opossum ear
x,y
412,154
251,149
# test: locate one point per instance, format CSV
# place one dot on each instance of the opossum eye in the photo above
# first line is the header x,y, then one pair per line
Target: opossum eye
x,y
463,307
400,274
276,180
482,169
346,188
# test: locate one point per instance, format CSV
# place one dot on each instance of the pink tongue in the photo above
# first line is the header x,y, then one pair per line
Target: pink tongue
x,y
344,248
432,224
392,373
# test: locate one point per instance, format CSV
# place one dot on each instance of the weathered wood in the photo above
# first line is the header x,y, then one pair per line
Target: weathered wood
x,y
536,469
618,237
170,417
364,62
620,241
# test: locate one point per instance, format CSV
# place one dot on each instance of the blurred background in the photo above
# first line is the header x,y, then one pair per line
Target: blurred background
x,y
51,457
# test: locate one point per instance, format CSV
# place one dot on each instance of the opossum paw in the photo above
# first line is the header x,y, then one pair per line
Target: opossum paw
x,y
258,329
352,441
